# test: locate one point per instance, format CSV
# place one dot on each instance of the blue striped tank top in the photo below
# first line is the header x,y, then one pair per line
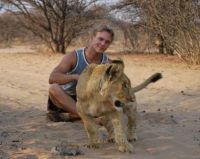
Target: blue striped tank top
x,y
81,63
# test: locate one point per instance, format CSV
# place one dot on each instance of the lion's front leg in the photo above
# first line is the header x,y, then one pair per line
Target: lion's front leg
x,y
131,113
120,135
107,123
91,128
92,131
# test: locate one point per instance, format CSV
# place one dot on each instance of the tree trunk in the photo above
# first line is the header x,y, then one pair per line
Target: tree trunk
x,y
161,48
60,47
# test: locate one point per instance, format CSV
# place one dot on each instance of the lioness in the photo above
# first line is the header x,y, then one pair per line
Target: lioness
x,y
105,90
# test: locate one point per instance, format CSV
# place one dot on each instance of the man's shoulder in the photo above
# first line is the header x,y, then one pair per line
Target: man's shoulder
x,y
79,50
70,57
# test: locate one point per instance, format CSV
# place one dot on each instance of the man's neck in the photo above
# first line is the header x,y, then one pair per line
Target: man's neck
x,y
92,56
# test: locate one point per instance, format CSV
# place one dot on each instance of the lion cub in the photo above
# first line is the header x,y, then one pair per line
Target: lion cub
x,y
105,90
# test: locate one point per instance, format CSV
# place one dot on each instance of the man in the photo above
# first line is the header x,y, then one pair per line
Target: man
x,y
63,79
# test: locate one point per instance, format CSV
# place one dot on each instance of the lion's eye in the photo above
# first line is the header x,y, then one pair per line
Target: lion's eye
x,y
125,85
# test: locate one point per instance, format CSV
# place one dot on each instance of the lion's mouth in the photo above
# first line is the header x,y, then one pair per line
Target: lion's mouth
x,y
119,104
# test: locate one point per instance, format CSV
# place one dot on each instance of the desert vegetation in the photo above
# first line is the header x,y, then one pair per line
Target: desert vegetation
x,y
155,26
151,36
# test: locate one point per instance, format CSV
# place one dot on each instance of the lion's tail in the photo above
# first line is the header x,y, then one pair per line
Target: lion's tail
x,y
152,79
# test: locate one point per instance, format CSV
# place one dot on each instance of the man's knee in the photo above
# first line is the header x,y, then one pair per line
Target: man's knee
x,y
54,90
53,95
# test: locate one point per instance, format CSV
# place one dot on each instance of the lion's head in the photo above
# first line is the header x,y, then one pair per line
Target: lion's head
x,y
115,85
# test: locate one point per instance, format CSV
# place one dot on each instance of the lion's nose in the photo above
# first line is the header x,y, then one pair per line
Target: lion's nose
x,y
119,104
131,99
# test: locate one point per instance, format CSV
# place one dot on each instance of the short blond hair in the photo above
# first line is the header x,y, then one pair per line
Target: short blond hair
x,y
101,28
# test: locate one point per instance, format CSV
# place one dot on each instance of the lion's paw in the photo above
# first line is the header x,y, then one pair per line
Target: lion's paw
x,y
102,138
111,140
92,145
126,148
132,137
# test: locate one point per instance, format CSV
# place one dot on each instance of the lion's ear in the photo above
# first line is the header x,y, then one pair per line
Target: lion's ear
x,y
114,71
118,62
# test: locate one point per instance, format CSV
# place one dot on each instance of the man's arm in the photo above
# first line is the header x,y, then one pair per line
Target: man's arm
x,y
59,74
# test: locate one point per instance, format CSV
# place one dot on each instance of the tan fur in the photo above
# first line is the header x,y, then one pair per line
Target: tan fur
x,y
105,90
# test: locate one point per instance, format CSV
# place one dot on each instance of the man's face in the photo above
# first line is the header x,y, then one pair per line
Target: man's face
x,y
101,41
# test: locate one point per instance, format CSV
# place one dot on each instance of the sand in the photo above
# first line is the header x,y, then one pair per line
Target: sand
x,y
168,111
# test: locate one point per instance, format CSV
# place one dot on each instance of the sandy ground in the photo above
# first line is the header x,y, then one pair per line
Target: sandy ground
x,y
168,111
